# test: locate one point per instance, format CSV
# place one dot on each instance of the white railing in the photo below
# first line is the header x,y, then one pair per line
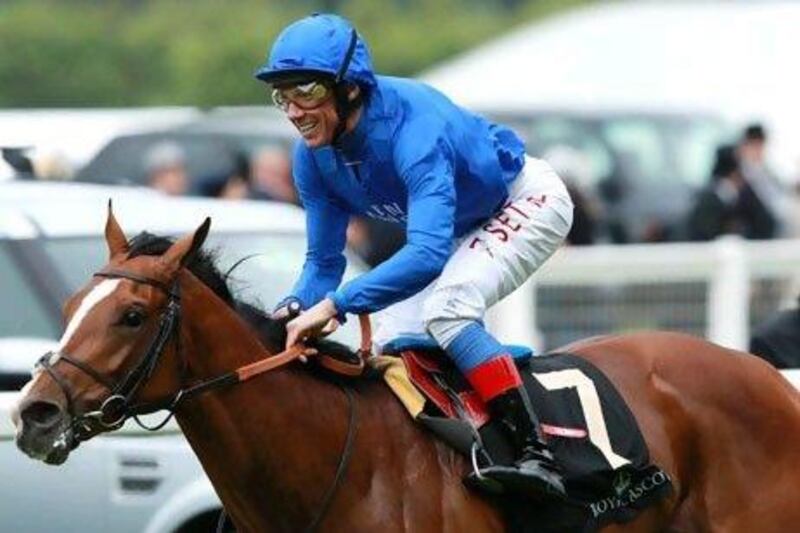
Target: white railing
x,y
717,289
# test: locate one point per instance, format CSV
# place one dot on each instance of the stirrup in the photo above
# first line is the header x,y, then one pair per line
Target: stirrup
x,y
475,478
541,484
497,479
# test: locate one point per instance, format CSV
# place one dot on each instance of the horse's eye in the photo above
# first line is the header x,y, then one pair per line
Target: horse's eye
x,y
132,318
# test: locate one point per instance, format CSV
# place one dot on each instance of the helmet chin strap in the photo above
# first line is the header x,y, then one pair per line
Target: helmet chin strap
x,y
344,105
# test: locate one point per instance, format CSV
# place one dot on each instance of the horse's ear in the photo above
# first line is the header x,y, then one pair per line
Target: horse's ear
x,y
180,253
115,238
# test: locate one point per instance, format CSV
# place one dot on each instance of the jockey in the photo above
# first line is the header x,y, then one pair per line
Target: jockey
x,y
480,216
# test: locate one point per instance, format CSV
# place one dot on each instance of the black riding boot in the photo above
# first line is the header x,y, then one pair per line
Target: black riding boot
x,y
534,471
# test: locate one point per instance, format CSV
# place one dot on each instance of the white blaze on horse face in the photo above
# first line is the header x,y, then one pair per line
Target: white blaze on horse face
x,y
103,289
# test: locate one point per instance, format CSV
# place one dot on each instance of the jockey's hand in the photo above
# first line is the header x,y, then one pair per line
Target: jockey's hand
x,y
290,309
330,327
314,322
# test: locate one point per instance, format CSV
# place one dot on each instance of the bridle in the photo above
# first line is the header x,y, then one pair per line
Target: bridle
x,y
118,407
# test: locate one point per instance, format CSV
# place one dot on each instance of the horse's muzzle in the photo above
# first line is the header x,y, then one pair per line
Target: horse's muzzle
x,y
43,431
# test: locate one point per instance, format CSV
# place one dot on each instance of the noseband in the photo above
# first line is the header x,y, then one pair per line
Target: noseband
x,y
117,408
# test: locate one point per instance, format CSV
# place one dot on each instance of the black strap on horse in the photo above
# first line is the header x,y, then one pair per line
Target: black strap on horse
x,y
341,469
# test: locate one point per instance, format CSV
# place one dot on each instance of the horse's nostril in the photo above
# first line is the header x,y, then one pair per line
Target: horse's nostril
x,y
42,414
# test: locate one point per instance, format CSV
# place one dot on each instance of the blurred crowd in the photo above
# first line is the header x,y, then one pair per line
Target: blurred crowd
x,y
742,196
265,175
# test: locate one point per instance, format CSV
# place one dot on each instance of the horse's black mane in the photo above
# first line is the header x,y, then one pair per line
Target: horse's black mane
x,y
272,332
203,264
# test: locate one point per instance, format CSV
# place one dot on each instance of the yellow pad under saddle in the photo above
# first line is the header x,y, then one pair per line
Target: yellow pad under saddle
x,y
396,377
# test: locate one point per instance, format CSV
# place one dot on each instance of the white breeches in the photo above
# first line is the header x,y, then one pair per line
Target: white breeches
x,y
490,262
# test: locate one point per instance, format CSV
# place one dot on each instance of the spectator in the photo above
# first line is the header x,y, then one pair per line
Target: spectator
x,y
271,175
762,181
778,339
374,240
165,164
52,165
728,204
715,209
573,167
234,186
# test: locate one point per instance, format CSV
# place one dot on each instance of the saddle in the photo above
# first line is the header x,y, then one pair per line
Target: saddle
x,y
591,431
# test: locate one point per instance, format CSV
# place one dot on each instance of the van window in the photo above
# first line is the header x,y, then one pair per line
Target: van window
x,y
262,279
22,313
271,263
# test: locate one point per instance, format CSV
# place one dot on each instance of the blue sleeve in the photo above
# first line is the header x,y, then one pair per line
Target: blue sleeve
x,y
430,182
326,229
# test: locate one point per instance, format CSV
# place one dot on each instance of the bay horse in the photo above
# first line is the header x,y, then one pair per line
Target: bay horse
x,y
291,452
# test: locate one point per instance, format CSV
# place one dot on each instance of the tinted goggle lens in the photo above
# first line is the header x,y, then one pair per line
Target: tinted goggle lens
x,y
305,96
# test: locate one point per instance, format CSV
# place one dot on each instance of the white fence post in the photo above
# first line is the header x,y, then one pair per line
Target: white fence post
x,y
728,305
725,268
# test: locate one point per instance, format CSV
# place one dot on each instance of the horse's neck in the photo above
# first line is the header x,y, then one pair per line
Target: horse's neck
x,y
254,439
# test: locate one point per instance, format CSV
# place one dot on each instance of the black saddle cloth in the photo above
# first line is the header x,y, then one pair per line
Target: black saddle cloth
x,y
561,387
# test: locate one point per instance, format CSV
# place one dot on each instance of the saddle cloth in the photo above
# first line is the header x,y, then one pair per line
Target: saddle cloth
x,y
588,426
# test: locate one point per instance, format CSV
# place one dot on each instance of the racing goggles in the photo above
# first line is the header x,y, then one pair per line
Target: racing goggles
x,y
305,95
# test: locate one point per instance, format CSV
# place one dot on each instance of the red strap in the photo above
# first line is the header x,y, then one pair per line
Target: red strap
x,y
366,336
476,409
287,356
421,378
274,361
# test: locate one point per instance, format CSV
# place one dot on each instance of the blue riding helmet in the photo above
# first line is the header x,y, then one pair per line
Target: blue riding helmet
x,y
319,44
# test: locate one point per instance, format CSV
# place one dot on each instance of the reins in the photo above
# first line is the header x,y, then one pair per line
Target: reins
x,y
117,408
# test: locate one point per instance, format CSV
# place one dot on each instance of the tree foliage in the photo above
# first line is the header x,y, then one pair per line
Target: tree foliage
x,y
203,52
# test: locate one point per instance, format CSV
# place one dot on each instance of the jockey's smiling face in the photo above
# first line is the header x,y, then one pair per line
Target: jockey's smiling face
x,y
312,109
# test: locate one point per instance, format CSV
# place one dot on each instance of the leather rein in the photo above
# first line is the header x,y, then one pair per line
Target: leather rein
x,y
118,407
